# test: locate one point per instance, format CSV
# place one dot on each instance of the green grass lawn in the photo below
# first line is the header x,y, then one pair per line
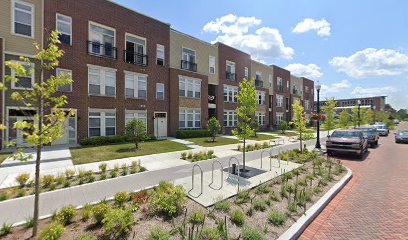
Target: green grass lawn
x,y
262,137
207,142
82,155
3,156
279,132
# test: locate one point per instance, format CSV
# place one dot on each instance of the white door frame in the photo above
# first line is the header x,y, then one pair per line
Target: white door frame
x,y
156,125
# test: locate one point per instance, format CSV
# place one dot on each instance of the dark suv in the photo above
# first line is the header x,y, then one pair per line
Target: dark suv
x,y
347,141
371,134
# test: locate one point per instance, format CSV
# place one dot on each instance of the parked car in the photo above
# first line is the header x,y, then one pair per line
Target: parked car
x,y
396,121
382,129
401,136
347,141
371,134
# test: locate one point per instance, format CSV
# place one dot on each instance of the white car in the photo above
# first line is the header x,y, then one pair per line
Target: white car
x,y
382,129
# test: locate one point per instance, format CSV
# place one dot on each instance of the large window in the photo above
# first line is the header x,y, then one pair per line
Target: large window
x,y
280,84
135,50
307,105
23,19
102,81
279,118
135,85
64,27
260,97
189,87
230,118
188,60
270,80
211,62
102,123
279,100
190,118
23,81
230,70
260,116
159,91
160,54
246,72
101,40
230,93
140,115
67,73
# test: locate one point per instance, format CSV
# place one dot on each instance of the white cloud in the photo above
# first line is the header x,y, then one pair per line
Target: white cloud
x,y
376,91
322,27
372,62
335,87
264,42
309,71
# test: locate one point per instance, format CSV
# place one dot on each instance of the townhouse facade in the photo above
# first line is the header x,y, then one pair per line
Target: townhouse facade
x,y
126,65
377,103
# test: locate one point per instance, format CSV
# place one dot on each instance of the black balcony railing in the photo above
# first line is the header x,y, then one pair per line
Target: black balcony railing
x,y
135,58
190,66
103,50
280,88
212,99
258,83
295,91
230,76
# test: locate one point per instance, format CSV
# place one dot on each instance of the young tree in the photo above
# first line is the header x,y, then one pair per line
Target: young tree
x,y
214,127
50,115
369,116
246,112
136,128
283,125
363,116
381,116
255,126
328,109
344,119
354,116
299,120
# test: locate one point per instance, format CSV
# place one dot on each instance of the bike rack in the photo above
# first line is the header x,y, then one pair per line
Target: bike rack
x,y
212,175
270,160
192,180
261,156
229,168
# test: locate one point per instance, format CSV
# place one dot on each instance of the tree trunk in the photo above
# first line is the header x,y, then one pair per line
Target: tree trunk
x,y
300,139
243,156
137,144
37,191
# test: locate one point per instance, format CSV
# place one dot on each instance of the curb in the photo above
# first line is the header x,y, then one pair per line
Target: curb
x,y
303,222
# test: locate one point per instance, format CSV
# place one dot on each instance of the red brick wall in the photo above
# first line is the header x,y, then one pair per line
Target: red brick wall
x,y
285,75
1,92
310,95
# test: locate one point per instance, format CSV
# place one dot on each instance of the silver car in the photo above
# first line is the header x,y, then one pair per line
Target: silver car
x,y
382,129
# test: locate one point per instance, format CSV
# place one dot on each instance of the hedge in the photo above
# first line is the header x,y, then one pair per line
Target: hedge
x,y
104,140
193,133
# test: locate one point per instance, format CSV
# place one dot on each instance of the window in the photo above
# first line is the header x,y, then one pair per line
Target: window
x,y
258,76
188,60
307,105
287,85
67,73
101,40
211,63
230,70
279,118
306,89
190,118
159,91
230,118
160,54
279,100
64,27
260,116
260,97
23,19
270,80
189,87
135,85
280,84
102,123
102,81
141,115
26,81
135,50
246,73
230,93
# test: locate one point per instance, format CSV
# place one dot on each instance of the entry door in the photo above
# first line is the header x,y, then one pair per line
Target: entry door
x,y
21,138
160,124
69,132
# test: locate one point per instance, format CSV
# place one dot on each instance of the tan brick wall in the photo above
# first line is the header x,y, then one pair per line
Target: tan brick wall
x,y
266,71
189,102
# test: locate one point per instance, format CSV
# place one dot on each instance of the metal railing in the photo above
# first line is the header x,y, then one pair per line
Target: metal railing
x,y
229,168
212,175
102,50
135,58
258,83
190,66
192,180
262,156
270,159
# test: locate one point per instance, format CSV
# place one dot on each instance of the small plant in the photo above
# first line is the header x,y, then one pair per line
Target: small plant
x,y
66,184
263,189
292,207
223,206
81,174
211,234
265,145
135,167
113,174
158,233
47,180
184,155
69,173
22,179
190,155
53,232
257,146
86,236
118,222
65,215
251,234
167,199
283,191
99,211
29,222
102,176
277,218
210,154
237,217
140,197
103,167
116,167
21,192
125,169
3,196
196,217
5,229
239,147
243,197
60,179
86,212
273,196
121,198
260,205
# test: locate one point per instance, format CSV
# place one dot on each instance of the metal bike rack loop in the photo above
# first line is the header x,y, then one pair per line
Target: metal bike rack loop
x,y
270,160
192,180
212,175
229,168
262,155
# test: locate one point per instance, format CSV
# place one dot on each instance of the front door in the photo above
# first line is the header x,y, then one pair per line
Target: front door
x,y
69,132
160,124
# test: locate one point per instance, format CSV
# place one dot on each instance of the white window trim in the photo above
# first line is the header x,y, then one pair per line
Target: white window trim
x,y
136,85
195,112
277,101
279,115
13,32
70,25
233,114
164,52
103,120
136,112
66,70
102,80
102,26
195,80
209,64
246,72
234,97
258,117
232,64
263,97
195,53
164,96
136,36
13,75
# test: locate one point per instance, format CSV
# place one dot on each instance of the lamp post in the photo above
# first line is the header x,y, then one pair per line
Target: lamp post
x,y
318,87
358,113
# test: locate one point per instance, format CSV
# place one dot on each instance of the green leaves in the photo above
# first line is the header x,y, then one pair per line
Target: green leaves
x,y
328,109
299,120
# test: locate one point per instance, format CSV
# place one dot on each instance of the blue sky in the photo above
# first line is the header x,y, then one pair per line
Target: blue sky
x,y
354,48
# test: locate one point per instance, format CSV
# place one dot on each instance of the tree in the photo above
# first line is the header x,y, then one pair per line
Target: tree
x,y
299,120
328,109
344,119
255,125
136,128
50,115
369,116
214,127
354,116
246,112
363,116
380,116
283,126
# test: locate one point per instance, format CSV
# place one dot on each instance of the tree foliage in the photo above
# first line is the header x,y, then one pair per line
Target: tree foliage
x,y
329,110
136,128
299,120
369,116
344,119
213,127
283,125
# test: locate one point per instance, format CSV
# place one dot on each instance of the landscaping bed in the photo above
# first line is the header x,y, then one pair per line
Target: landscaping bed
x,y
4,156
199,156
207,142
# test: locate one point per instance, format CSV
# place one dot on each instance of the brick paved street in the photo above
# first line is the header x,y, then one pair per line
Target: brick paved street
x,y
374,204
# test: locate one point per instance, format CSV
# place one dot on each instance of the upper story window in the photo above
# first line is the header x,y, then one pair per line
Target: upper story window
x,y
135,85
258,76
68,73
211,63
287,85
279,100
23,19
280,84
64,27
159,91
294,89
307,105
230,93
160,55
270,80
188,59
101,81
135,50
260,97
189,87
260,117
306,89
246,72
101,40
25,82
230,70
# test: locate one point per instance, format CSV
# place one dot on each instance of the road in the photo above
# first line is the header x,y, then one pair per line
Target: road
x,y
374,204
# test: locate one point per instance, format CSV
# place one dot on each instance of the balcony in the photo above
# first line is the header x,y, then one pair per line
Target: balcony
x,y
135,58
258,83
295,91
102,50
230,76
190,66
212,99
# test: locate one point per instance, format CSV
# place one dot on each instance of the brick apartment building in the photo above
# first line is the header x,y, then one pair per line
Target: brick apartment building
x,y
126,65
376,103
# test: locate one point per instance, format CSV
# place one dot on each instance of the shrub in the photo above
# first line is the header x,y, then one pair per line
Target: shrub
x,y
21,192
103,167
125,169
69,173
263,189
5,229
274,196
157,233
210,154
277,217
86,212
194,133
140,197
211,234
103,140
47,180
184,155
3,196
53,232
135,167
99,211
121,198
223,206
257,146
118,222
66,184
65,215
167,199
239,147
102,176
190,155
22,179
29,222
265,145
260,205
292,207
86,236
238,217
196,217
113,174
243,197
251,234
60,179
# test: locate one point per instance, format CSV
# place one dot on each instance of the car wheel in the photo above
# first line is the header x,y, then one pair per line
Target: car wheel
x,y
376,143
360,154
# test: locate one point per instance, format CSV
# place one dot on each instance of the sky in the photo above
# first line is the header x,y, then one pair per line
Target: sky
x,y
355,48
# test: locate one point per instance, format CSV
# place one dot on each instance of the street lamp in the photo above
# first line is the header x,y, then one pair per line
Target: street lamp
x,y
318,87
358,114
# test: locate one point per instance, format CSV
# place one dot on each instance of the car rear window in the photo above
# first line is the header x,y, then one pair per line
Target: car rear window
x,y
346,134
367,130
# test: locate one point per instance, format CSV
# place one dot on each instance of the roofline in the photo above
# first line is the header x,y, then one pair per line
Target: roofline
x,y
355,98
217,43
194,38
